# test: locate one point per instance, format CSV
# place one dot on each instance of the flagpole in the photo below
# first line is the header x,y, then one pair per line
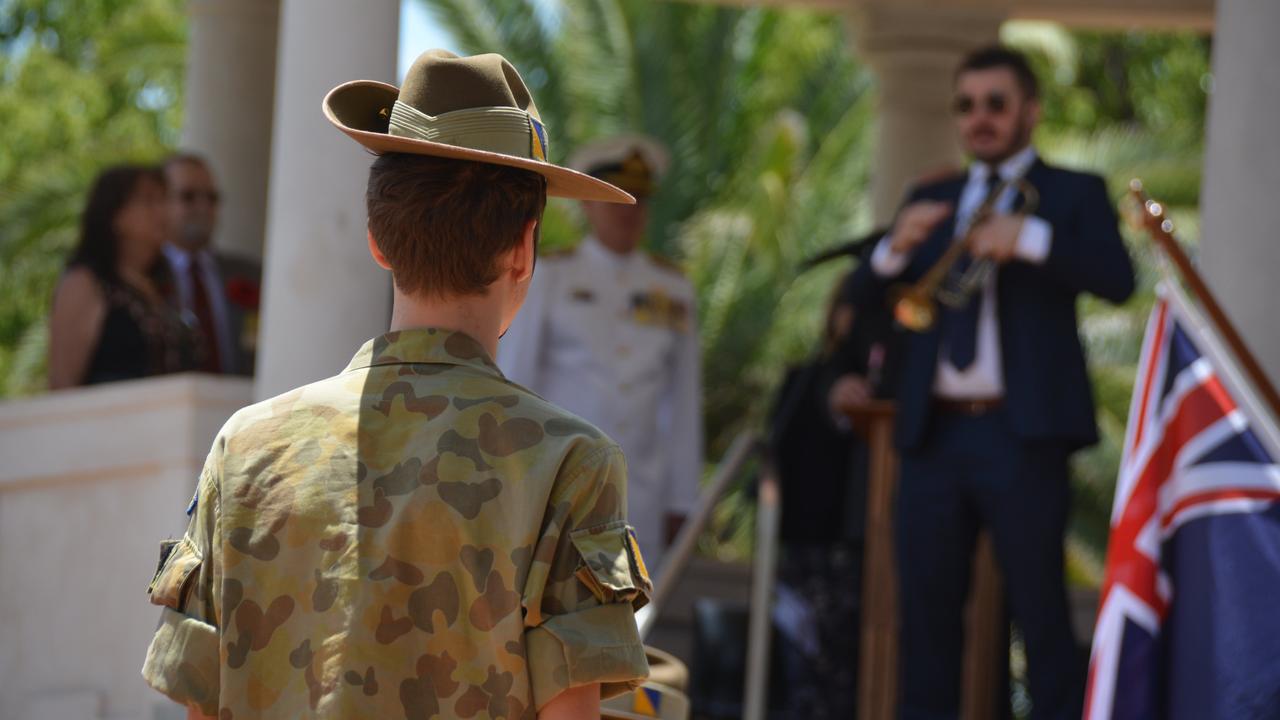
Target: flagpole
x,y
1161,230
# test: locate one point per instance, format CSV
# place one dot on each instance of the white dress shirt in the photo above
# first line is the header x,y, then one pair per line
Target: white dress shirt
x,y
613,338
985,377
180,261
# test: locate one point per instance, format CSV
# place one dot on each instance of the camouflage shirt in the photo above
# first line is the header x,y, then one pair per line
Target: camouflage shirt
x,y
416,537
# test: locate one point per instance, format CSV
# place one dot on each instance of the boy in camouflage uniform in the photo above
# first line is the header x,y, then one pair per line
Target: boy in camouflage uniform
x,y
417,536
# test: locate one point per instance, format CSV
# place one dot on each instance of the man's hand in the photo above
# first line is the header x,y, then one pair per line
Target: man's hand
x,y
849,392
997,238
914,224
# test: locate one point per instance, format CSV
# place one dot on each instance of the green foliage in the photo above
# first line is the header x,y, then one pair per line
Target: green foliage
x,y
85,84
1093,80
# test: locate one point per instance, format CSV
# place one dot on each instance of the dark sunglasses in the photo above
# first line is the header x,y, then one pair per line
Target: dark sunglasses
x,y
996,104
190,196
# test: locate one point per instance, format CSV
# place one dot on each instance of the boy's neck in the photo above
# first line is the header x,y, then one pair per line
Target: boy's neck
x,y
479,316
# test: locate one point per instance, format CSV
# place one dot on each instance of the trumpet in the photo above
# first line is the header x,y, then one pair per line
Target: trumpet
x,y
915,307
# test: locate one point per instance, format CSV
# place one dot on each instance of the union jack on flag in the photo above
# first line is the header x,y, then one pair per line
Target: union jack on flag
x,y
1189,618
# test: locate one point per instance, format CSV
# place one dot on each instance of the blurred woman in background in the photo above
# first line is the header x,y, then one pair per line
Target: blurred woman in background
x,y
110,320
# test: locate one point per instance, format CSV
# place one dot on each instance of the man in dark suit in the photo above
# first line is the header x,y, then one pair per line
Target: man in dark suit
x,y
994,398
217,294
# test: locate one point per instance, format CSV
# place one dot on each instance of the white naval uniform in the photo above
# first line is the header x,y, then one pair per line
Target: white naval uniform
x,y
614,339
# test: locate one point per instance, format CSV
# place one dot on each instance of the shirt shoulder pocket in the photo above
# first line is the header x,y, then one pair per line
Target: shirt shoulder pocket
x,y
612,567
179,561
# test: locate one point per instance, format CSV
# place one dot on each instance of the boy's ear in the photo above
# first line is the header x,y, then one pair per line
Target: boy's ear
x,y
378,257
524,255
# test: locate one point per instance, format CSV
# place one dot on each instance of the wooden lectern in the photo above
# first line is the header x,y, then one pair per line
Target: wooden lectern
x,y
986,650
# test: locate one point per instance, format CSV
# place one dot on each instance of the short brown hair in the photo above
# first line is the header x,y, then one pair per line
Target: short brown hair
x,y
999,56
442,223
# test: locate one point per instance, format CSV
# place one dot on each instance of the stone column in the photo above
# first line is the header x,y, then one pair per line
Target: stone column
x,y
914,51
323,296
231,64
1240,243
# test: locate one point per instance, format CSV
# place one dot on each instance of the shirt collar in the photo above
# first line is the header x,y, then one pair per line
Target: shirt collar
x,y
425,346
597,250
181,259
1015,166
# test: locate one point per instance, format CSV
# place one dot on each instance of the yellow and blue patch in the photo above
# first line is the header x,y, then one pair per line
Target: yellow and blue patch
x,y
637,559
538,145
648,702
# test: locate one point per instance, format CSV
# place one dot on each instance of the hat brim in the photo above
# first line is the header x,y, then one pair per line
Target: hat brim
x,y
355,108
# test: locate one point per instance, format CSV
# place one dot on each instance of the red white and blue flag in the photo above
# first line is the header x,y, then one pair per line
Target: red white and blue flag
x,y
1189,618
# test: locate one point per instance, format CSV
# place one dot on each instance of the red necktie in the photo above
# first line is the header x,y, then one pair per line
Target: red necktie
x,y
203,310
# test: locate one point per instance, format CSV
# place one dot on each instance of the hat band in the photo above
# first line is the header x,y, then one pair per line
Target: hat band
x,y
502,130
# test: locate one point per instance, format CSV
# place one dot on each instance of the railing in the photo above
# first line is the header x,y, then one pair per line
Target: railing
x,y
743,448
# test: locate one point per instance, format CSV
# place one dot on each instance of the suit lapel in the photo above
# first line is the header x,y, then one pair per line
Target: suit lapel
x,y
1039,175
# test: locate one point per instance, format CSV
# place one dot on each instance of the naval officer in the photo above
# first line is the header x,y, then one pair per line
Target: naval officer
x,y
609,332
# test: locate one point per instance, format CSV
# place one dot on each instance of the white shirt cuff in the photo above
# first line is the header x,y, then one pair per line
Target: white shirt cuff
x,y
1033,240
885,262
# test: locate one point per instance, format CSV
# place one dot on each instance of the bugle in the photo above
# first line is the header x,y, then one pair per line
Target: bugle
x,y
915,307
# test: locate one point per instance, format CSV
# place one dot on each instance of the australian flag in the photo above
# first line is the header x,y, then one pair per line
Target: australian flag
x,y
1189,618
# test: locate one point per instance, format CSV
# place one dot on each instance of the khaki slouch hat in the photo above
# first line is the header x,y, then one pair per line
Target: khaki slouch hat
x,y
467,108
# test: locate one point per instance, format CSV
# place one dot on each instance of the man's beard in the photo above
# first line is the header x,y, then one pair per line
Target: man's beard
x,y
1018,139
194,235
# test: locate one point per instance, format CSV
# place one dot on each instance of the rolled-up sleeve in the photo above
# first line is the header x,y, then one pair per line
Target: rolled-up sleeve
x,y
183,659
580,607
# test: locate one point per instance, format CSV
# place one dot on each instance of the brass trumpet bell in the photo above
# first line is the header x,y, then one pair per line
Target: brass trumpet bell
x,y
915,311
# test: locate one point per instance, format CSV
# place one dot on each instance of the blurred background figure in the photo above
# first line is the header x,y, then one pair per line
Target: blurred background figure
x,y
821,462
610,333
816,612
110,320
217,294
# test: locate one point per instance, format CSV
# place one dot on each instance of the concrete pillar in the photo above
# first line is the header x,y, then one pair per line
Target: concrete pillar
x,y
1240,244
231,70
914,51
323,296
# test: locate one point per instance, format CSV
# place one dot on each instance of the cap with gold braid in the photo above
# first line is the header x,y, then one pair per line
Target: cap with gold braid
x,y
467,108
633,162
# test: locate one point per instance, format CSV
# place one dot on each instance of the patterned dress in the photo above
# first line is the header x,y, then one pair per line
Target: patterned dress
x,y
415,537
139,338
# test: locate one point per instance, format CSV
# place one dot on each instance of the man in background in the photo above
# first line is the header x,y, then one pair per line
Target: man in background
x,y
994,397
610,333
217,294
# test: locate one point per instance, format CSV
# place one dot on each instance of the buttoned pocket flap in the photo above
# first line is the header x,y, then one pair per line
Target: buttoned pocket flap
x,y
612,567
178,564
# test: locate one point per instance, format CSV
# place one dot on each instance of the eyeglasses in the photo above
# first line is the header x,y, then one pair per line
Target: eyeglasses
x,y
996,104
189,197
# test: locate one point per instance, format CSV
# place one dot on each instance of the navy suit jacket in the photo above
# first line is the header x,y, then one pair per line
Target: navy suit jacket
x,y
1047,390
